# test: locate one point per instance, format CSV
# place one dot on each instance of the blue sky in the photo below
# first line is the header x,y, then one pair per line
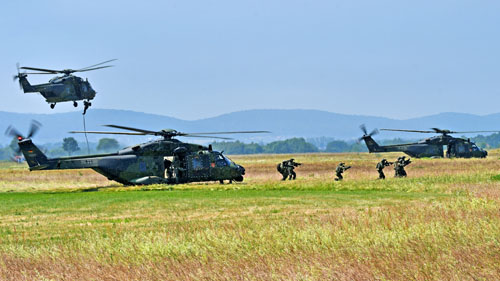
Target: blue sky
x,y
196,59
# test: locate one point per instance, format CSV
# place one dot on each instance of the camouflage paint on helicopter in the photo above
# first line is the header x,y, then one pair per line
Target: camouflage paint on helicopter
x,y
62,88
145,163
429,147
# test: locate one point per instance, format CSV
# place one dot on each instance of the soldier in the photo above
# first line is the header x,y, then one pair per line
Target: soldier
x,y
179,168
286,169
400,165
291,166
341,168
380,168
396,167
283,169
168,169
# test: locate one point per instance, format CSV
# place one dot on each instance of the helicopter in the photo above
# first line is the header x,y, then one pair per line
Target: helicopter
x,y
430,147
161,161
61,88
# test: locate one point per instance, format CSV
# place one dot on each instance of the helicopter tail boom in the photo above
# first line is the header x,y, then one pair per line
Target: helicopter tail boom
x,y
372,145
25,84
34,156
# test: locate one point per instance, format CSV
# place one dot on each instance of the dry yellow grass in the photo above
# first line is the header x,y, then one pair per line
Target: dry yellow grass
x,y
443,222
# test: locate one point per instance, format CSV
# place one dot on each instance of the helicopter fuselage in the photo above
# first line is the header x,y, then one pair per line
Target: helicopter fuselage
x,y
60,89
161,161
432,147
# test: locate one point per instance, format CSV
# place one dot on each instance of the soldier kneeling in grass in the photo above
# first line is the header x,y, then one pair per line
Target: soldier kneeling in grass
x,y
341,168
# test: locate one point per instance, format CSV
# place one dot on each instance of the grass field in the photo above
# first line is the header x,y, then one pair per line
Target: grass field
x,y
442,222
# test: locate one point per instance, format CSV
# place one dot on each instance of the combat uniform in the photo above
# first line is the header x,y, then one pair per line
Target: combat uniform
x,y
380,168
399,166
286,169
283,169
341,168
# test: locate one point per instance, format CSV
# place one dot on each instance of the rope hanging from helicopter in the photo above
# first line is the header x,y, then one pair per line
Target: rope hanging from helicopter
x,y
85,130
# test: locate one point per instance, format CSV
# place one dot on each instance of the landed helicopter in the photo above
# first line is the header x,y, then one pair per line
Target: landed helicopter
x,y
429,147
61,88
162,161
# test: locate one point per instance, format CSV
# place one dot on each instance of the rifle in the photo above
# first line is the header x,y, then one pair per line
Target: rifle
x,y
347,168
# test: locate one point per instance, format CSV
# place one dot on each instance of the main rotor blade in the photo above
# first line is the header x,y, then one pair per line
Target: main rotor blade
x,y
224,133
96,64
41,69
373,132
110,133
209,137
132,129
83,70
468,132
37,73
410,131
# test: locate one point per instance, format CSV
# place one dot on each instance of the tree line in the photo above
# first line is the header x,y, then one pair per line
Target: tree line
x,y
70,146
293,145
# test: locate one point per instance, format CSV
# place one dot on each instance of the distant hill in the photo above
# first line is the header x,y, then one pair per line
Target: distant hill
x,y
282,123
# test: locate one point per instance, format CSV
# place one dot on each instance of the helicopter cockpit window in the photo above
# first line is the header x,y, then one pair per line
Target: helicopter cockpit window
x,y
221,161
475,148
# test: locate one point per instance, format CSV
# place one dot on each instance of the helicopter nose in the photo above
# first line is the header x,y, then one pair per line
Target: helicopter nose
x,y
241,170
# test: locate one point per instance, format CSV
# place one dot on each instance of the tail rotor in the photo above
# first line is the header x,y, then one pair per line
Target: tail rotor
x,y
365,132
13,132
19,74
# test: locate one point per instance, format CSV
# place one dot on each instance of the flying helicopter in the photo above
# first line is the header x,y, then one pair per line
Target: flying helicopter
x,y
429,147
61,88
161,161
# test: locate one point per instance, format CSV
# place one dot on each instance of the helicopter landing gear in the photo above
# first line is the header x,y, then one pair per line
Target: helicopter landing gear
x,y
75,104
86,105
52,105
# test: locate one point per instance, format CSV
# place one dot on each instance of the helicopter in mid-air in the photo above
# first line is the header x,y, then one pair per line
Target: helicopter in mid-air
x,y
61,88
429,147
161,161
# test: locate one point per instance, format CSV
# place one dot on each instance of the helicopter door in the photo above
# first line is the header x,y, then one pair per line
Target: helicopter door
x,y
168,166
78,90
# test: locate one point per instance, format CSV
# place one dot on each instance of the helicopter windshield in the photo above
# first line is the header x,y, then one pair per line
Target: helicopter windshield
x,y
222,161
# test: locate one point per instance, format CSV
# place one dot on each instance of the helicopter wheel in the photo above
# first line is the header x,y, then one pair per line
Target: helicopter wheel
x,y
75,104
52,105
221,181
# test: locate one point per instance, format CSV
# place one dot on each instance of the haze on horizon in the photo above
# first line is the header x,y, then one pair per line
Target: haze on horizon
x,y
196,59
